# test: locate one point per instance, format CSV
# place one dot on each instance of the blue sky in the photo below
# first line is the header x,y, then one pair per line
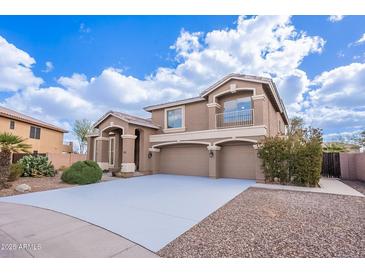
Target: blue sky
x,y
97,63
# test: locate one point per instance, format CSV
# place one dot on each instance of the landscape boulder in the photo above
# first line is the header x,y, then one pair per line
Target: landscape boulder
x,y
23,188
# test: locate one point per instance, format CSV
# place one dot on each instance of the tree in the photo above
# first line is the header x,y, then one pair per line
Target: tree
x,y
335,147
359,139
9,144
296,126
80,129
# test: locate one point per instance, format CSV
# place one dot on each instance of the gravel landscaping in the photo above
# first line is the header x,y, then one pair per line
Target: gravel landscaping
x,y
37,184
277,223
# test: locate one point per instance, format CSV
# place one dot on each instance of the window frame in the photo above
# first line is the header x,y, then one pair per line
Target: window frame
x,y
35,135
12,124
111,160
177,129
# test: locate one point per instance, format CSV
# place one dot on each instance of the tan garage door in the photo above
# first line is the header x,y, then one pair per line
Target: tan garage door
x,y
237,160
185,160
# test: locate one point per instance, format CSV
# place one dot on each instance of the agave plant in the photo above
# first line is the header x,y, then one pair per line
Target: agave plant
x,y
9,144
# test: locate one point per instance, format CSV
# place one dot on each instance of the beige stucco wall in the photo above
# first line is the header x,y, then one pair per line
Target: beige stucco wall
x,y
50,140
199,117
352,166
124,146
196,116
65,159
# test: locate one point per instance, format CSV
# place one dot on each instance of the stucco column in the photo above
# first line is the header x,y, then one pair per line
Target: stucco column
x,y
90,148
128,164
118,153
212,111
213,161
155,160
260,176
259,110
102,153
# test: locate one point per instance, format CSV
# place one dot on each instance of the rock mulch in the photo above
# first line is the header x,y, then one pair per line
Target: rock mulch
x,y
277,223
36,184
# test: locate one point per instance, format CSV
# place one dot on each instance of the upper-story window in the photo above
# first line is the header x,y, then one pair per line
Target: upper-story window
x,y
239,104
12,125
35,132
237,112
175,118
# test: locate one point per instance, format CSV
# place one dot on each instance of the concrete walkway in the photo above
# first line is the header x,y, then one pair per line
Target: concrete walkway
x,y
328,185
27,231
150,210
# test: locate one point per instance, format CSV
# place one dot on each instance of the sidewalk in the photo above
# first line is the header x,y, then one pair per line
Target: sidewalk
x,y
328,185
27,231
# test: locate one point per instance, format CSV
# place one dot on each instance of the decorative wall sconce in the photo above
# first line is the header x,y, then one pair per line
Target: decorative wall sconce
x,y
211,154
149,155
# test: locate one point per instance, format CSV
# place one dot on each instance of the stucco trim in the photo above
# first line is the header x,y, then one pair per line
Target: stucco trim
x,y
239,132
100,138
111,126
235,139
181,142
152,149
214,105
259,97
232,90
128,167
213,147
128,136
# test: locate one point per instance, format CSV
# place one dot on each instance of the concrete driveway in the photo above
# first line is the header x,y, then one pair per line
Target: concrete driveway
x,y
148,210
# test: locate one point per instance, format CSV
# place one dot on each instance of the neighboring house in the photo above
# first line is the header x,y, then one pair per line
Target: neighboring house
x,y
43,137
214,134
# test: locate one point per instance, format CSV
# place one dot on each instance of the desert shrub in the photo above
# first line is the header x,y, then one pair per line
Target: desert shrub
x,y
82,172
274,152
16,170
293,159
36,166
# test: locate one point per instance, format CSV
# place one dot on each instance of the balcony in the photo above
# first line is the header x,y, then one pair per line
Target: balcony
x,y
242,118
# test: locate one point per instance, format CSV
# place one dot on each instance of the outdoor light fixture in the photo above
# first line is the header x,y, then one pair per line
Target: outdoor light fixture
x,y
211,154
149,155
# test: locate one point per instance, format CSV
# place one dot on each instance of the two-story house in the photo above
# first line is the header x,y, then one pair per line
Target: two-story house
x,y
214,134
42,136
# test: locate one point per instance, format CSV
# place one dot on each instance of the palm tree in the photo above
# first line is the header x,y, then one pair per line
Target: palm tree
x,y
9,144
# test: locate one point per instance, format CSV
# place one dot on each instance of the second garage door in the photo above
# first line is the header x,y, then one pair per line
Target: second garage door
x,y
185,160
237,160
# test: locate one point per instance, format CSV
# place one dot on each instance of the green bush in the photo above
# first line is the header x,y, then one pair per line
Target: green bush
x,y
82,172
16,170
293,159
36,166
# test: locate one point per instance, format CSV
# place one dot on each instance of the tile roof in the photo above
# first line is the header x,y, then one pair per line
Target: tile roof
x,y
129,119
11,114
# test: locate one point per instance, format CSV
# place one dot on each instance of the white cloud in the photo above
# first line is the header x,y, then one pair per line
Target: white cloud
x,y
335,18
338,98
361,40
16,68
84,29
263,45
49,67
